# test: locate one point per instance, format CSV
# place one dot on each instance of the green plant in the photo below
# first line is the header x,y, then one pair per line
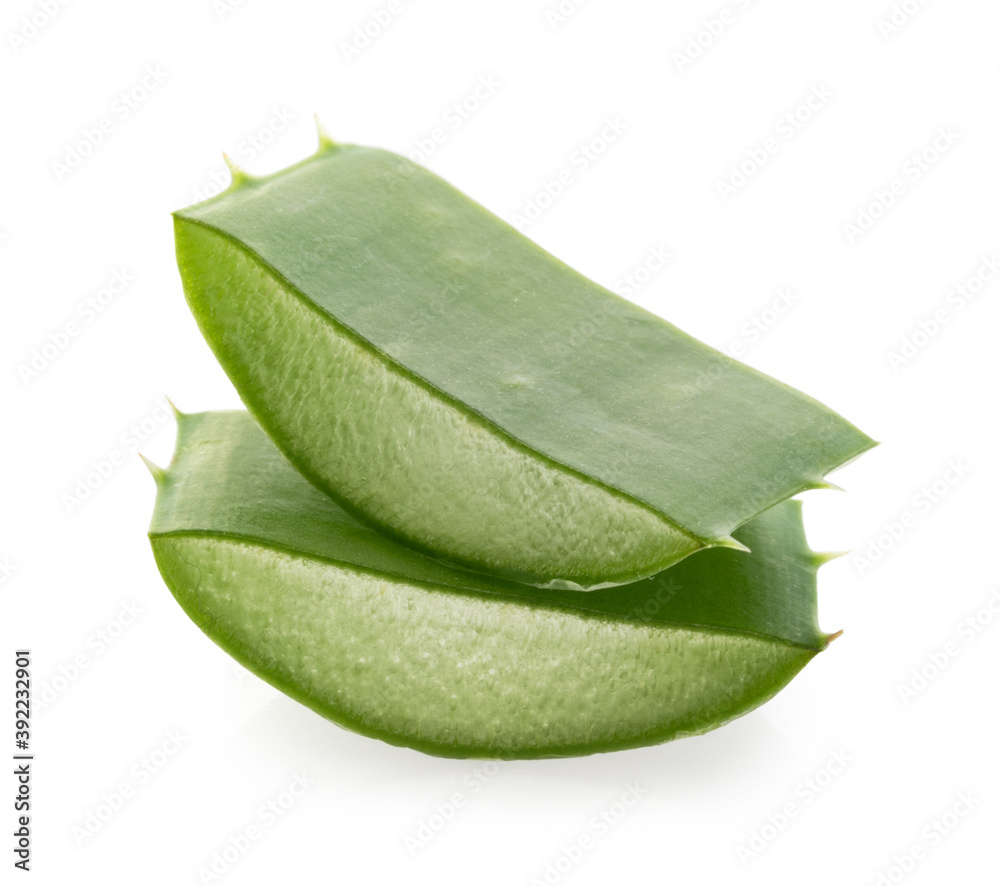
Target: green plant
x,y
400,532
405,349
395,645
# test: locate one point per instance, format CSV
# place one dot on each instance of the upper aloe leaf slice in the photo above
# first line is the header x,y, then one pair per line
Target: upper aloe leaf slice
x,y
407,350
395,645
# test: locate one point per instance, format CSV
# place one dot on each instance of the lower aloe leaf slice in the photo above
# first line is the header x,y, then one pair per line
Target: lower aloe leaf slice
x,y
423,362
401,647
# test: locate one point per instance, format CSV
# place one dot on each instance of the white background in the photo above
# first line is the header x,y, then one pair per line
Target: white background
x,y
260,68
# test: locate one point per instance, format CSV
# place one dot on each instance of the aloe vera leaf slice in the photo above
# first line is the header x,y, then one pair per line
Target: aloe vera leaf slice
x,y
401,647
406,349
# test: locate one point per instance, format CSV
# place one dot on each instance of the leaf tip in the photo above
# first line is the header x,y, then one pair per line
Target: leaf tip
x,y
178,415
831,637
728,541
326,142
159,474
240,176
824,557
826,484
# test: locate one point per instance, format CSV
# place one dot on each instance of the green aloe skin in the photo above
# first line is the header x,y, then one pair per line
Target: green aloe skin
x,y
402,647
402,347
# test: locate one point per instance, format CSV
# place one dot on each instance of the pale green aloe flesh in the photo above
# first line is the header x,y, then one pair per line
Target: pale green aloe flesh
x,y
407,351
394,645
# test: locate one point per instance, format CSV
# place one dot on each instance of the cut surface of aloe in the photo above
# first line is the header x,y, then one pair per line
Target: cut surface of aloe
x,y
398,646
406,350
